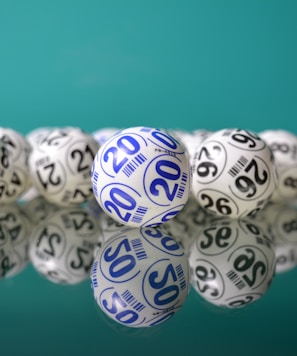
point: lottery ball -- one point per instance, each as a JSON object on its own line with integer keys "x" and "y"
{"x": 141, "y": 176}
{"x": 140, "y": 277}
{"x": 284, "y": 147}
{"x": 61, "y": 246}
{"x": 60, "y": 166}
{"x": 232, "y": 263}
{"x": 14, "y": 169}
{"x": 234, "y": 173}
{"x": 102, "y": 135}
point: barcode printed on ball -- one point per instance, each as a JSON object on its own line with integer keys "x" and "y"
{"x": 183, "y": 184}
{"x": 133, "y": 164}
{"x": 138, "y": 249}
{"x": 131, "y": 300}
{"x": 237, "y": 281}
{"x": 139, "y": 214}
{"x": 181, "y": 276}
{"x": 234, "y": 170}
{"x": 95, "y": 176}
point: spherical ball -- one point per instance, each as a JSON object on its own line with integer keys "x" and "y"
{"x": 232, "y": 263}
{"x": 103, "y": 134}
{"x": 141, "y": 176}
{"x": 61, "y": 246}
{"x": 14, "y": 172}
{"x": 284, "y": 147}
{"x": 233, "y": 173}
{"x": 60, "y": 166}
{"x": 140, "y": 277}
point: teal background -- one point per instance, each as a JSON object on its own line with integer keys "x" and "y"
{"x": 171, "y": 64}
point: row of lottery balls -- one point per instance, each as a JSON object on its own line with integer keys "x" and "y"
{"x": 142, "y": 176}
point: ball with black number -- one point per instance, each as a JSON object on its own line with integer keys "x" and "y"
{"x": 141, "y": 176}
{"x": 284, "y": 147}
{"x": 61, "y": 246}
{"x": 14, "y": 169}
{"x": 60, "y": 166}
{"x": 234, "y": 173}
{"x": 232, "y": 263}
{"x": 281, "y": 221}
{"x": 140, "y": 277}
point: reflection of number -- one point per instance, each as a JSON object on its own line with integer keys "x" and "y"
{"x": 222, "y": 234}
{"x": 282, "y": 147}
{"x": 219, "y": 204}
{"x": 78, "y": 225}
{"x": 81, "y": 155}
{"x": 290, "y": 182}
{"x": 80, "y": 252}
{"x": 205, "y": 276}
{"x": 128, "y": 145}
{"x": 120, "y": 199}
{"x": 290, "y": 226}
{"x": 124, "y": 316}
{"x": 51, "y": 167}
{"x": 171, "y": 173}
{"x": 120, "y": 265}
{"x": 51, "y": 239}
{"x": 167, "y": 241}
{"x": 244, "y": 262}
{"x": 166, "y": 294}
{"x": 208, "y": 155}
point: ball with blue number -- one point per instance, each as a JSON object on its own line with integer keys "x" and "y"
{"x": 141, "y": 176}
{"x": 140, "y": 277}
{"x": 234, "y": 173}
{"x": 232, "y": 262}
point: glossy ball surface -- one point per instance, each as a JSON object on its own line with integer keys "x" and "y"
{"x": 284, "y": 147}
{"x": 61, "y": 246}
{"x": 232, "y": 263}
{"x": 60, "y": 166}
{"x": 140, "y": 277}
{"x": 141, "y": 176}
{"x": 234, "y": 173}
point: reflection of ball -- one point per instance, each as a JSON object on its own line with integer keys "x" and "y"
{"x": 281, "y": 221}
{"x": 18, "y": 228}
{"x": 18, "y": 150}
{"x": 284, "y": 147}
{"x": 140, "y": 277}
{"x": 232, "y": 263}
{"x": 60, "y": 166}
{"x": 233, "y": 173}
{"x": 141, "y": 176}
{"x": 61, "y": 246}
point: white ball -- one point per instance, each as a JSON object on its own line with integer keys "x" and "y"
{"x": 284, "y": 147}
{"x": 102, "y": 135}
{"x": 233, "y": 173}
{"x": 232, "y": 262}
{"x": 60, "y": 166}
{"x": 140, "y": 277}
{"x": 61, "y": 246}
{"x": 141, "y": 176}
{"x": 15, "y": 177}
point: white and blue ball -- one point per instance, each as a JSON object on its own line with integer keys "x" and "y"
{"x": 141, "y": 176}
